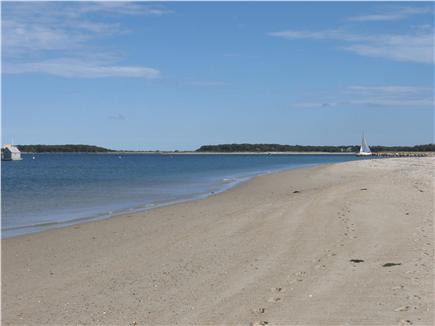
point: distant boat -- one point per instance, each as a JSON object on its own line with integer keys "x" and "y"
{"x": 364, "y": 150}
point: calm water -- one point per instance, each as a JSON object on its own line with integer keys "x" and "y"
{"x": 55, "y": 190}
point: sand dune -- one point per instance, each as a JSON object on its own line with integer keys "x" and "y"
{"x": 350, "y": 243}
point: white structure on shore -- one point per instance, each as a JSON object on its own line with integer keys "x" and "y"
{"x": 11, "y": 153}
{"x": 364, "y": 150}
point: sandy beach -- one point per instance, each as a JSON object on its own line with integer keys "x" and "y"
{"x": 349, "y": 243}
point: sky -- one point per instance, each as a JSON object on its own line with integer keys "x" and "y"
{"x": 166, "y": 75}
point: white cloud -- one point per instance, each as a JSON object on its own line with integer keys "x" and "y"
{"x": 319, "y": 35}
{"x": 395, "y": 14}
{"x": 45, "y": 26}
{"x": 123, "y": 8}
{"x": 57, "y": 38}
{"x": 392, "y": 89}
{"x": 390, "y": 96}
{"x": 20, "y": 38}
{"x": 75, "y": 68}
{"x": 415, "y": 47}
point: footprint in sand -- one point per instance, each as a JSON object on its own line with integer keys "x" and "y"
{"x": 403, "y": 308}
{"x": 274, "y": 299}
{"x": 259, "y": 310}
{"x": 259, "y": 323}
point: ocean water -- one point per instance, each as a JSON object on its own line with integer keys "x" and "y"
{"x": 55, "y": 190}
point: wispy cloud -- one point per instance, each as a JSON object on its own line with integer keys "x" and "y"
{"x": 391, "y": 90}
{"x": 75, "y": 68}
{"x": 57, "y": 38}
{"x": 319, "y": 35}
{"x": 123, "y": 8}
{"x": 413, "y": 47}
{"x": 392, "y": 96}
{"x": 392, "y": 14}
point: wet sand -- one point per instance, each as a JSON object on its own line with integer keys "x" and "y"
{"x": 349, "y": 243}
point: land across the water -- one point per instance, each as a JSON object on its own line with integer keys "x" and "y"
{"x": 349, "y": 243}
{"x": 229, "y": 148}
{"x": 376, "y": 154}
{"x": 239, "y": 153}
{"x": 198, "y": 153}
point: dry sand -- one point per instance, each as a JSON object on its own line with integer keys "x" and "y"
{"x": 275, "y": 250}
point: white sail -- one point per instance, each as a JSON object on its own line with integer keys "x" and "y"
{"x": 364, "y": 149}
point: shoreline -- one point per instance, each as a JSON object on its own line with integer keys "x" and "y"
{"x": 277, "y": 248}
{"x": 131, "y": 211}
{"x": 235, "y": 182}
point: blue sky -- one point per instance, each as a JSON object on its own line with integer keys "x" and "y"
{"x": 178, "y": 75}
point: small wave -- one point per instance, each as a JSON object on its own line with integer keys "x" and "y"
{"x": 17, "y": 227}
{"x": 54, "y": 223}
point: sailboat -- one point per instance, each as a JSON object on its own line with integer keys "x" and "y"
{"x": 364, "y": 150}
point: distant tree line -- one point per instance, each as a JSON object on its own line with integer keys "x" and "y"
{"x": 229, "y": 148}
{"x": 416, "y": 148}
{"x": 62, "y": 149}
